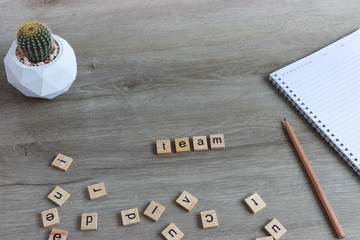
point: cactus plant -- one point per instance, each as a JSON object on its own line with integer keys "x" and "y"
{"x": 34, "y": 41}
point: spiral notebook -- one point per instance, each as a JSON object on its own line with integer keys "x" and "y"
{"x": 325, "y": 88}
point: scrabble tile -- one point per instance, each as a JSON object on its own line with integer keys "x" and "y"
{"x": 200, "y": 143}
{"x": 58, "y": 234}
{"x": 182, "y": 145}
{"x": 255, "y": 203}
{"x": 50, "y": 217}
{"x": 130, "y": 216}
{"x": 89, "y": 221}
{"x": 217, "y": 141}
{"x": 265, "y": 238}
{"x": 186, "y": 201}
{"x": 209, "y": 219}
{"x": 62, "y": 162}
{"x": 172, "y": 232}
{"x": 59, "y": 196}
{"x": 275, "y": 229}
{"x": 163, "y": 147}
{"x": 97, "y": 190}
{"x": 154, "y": 211}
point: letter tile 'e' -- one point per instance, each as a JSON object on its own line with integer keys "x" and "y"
{"x": 200, "y": 143}
{"x": 58, "y": 234}
{"x": 172, "y": 232}
{"x": 163, "y": 147}
{"x": 186, "y": 201}
{"x": 62, "y": 162}
{"x": 154, "y": 211}
{"x": 59, "y": 196}
{"x": 255, "y": 203}
{"x": 130, "y": 216}
{"x": 209, "y": 219}
{"x": 182, "y": 145}
{"x": 217, "y": 141}
{"x": 275, "y": 229}
{"x": 89, "y": 221}
{"x": 97, "y": 190}
{"x": 50, "y": 217}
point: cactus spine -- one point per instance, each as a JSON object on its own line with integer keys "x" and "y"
{"x": 34, "y": 41}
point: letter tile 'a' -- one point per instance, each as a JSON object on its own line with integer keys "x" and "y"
{"x": 172, "y": 232}
{"x": 186, "y": 201}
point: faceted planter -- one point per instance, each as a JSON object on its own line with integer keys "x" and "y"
{"x": 47, "y": 81}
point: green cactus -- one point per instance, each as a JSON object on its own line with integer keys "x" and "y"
{"x": 34, "y": 41}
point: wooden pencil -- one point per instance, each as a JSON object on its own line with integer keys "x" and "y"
{"x": 340, "y": 233}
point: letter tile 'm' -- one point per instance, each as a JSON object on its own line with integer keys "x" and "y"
{"x": 209, "y": 219}
{"x": 50, "y": 217}
{"x": 265, "y": 238}
{"x": 154, "y": 211}
{"x": 182, "y": 145}
{"x": 217, "y": 141}
{"x": 275, "y": 229}
{"x": 163, "y": 147}
{"x": 59, "y": 196}
{"x": 186, "y": 201}
{"x": 255, "y": 203}
{"x": 62, "y": 162}
{"x": 200, "y": 143}
{"x": 130, "y": 216}
{"x": 89, "y": 221}
{"x": 58, "y": 234}
{"x": 97, "y": 190}
{"x": 172, "y": 232}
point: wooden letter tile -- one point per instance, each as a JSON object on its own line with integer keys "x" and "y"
{"x": 209, "y": 219}
{"x": 62, "y": 162}
{"x": 163, "y": 147}
{"x": 182, "y": 145}
{"x": 89, "y": 221}
{"x": 172, "y": 232}
{"x": 130, "y": 216}
{"x": 58, "y": 234}
{"x": 275, "y": 229}
{"x": 59, "y": 196}
{"x": 265, "y": 238}
{"x": 50, "y": 217}
{"x": 255, "y": 203}
{"x": 97, "y": 190}
{"x": 217, "y": 141}
{"x": 186, "y": 201}
{"x": 200, "y": 143}
{"x": 154, "y": 211}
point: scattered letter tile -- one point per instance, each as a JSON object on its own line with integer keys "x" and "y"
{"x": 97, "y": 190}
{"x": 186, "y": 200}
{"x": 130, "y": 216}
{"x": 89, "y": 221}
{"x": 163, "y": 147}
{"x": 172, "y": 232}
{"x": 154, "y": 211}
{"x": 58, "y": 234}
{"x": 255, "y": 203}
{"x": 59, "y": 196}
{"x": 209, "y": 219}
{"x": 50, "y": 217}
{"x": 182, "y": 145}
{"x": 62, "y": 162}
{"x": 265, "y": 238}
{"x": 275, "y": 229}
{"x": 217, "y": 141}
{"x": 200, "y": 143}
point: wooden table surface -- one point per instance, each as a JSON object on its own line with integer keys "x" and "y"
{"x": 151, "y": 70}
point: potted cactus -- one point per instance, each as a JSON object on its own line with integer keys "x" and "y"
{"x": 39, "y": 63}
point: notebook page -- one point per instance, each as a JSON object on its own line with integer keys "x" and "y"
{"x": 325, "y": 86}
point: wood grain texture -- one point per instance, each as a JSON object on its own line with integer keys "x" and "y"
{"x": 151, "y": 70}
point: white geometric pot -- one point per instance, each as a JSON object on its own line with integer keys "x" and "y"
{"x": 47, "y": 81}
